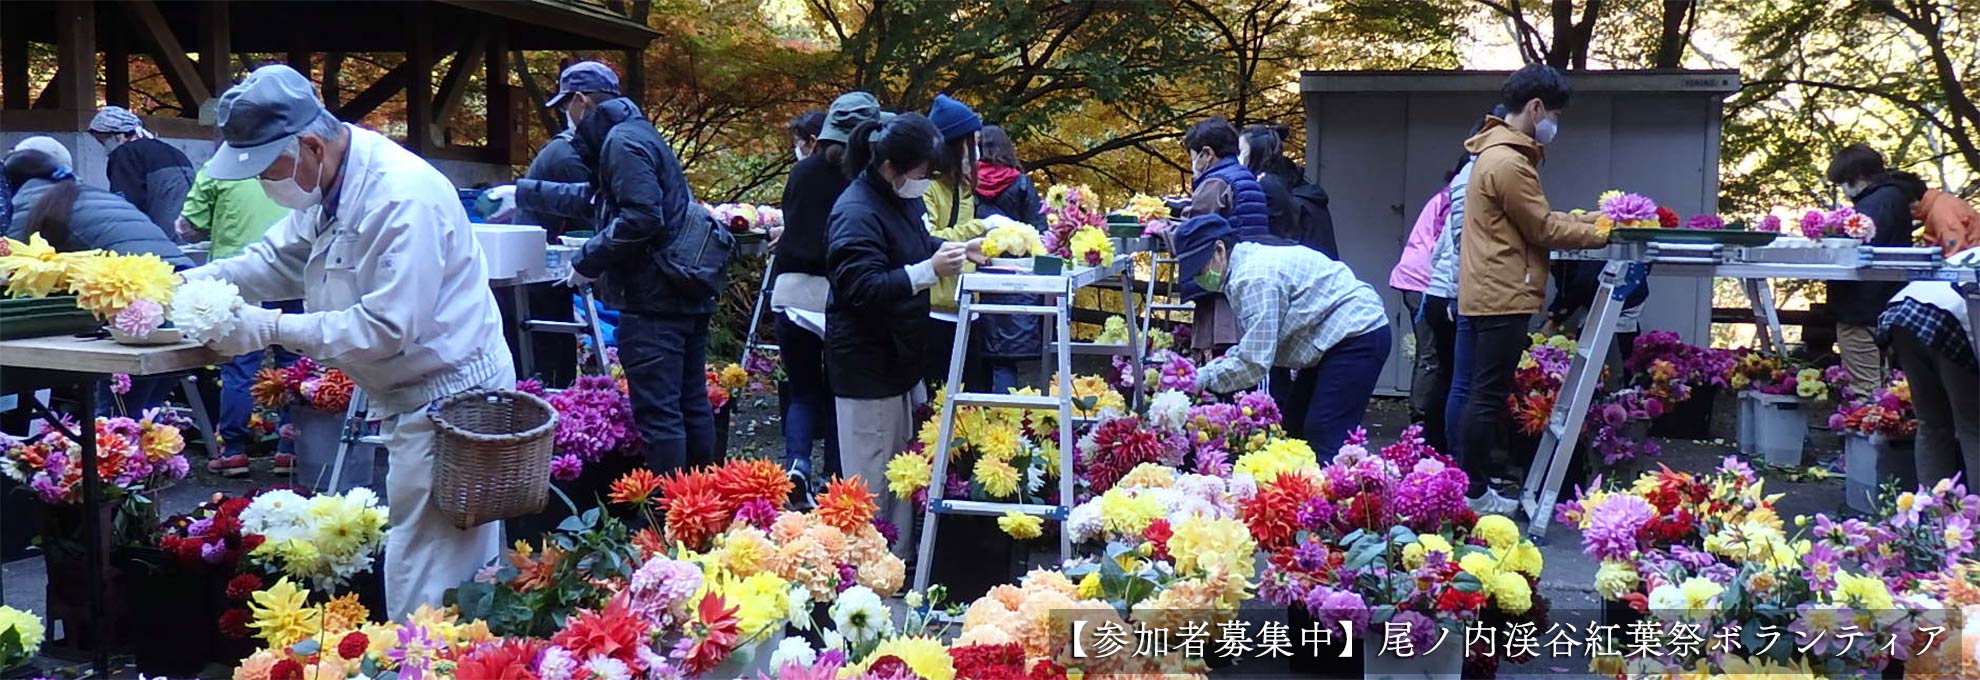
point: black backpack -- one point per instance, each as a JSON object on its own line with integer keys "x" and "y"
{"x": 697, "y": 260}
{"x": 1316, "y": 224}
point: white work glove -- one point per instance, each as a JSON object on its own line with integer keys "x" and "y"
{"x": 575, "y": 279}
{"x": 504, "y": 198}
{"x": 254, "y": 330}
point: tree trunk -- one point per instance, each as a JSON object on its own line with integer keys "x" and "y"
{"x": 1676, "y": 32}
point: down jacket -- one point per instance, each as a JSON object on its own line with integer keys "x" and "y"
{"x": 155, "y": 177}
{"x": 640, "y": 201}
{"x": 99, "y": 220}
{"x": 1250, "y": 212}
{"x": 876, "y": 329}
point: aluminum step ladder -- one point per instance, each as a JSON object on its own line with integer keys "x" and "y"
{"x": 1548, "y": 472}
{"x": 763, "y": 293}
{"x": 357, "y": 434}
{"x": 1059, "y": 352}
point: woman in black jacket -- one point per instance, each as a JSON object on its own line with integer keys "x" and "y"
{"x": 883, "y": 261}
{"x": 1861, "y": 173}
{"x": 801, "y": 288}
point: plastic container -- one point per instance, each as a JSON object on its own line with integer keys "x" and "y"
{"x": 1871, "y": 462}
{"x": 1779, "y": 428}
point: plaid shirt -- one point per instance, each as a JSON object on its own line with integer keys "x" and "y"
{"x": 1935, "y": 328}
{"x": 1293, "y": 304}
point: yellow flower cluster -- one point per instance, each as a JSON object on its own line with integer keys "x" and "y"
{"x": 761, "y": 600}
{"x": 1205, "y": 545}
{"x": 1021, "y": 526}
{"x": 28, "y": 632}
{"x": 1507, "y": 567}
{"x": 1104, "y": 398}
{"x": 1146, "y": 207}
{"x": 1127, "y": 512}
{"x": 34, "y": 269}
{"x": 908, "y": 472}
{"x": 106, "y": 284}
{"x": 1277, "y": 457}
{"x": 1808, "y": 384}
{"x": 1091, "y": 247}
{"x": 1013, "y": 240}
{"x": 732, "y": 377}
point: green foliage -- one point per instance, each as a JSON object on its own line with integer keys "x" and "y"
{"x": 589, "y": 548}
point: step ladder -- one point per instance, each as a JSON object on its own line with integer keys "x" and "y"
{"x": 587, "y": 327}
{"x": 1548, "y": 472}
{"x": 763, "y": 293}
{"x": 1059, "y": 352}
{"x": 358, "y": 433}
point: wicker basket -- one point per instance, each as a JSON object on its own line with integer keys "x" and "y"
{"x": 491, "y": 455}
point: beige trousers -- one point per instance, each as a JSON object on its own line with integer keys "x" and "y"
{"x": 871, "y": 431}
{"x": 1860, "y": 354}
{"x": 424, "y": 554}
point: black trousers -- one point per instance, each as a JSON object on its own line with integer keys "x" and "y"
{"x": 1430, "y": 387}
{"x": 1496, "y": 344}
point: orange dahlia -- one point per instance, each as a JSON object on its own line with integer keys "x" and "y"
{"x": 742, "y": 481}
{"x": 694, "y": 518}
{"x": 635, "y": 488}
{"x": 1273, "y": 514}
{"x": 269, "y": 390}
{"x": 846, "y": 504}
{"x": 685, "y": 483}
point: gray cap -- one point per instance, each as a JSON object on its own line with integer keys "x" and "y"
{"x": 115, "y": 119}
{"x": 584, "y": 76}
{"x": 257, "y": 119}
{"x": 848, "y": 112}
{"x": 47, "y": 145}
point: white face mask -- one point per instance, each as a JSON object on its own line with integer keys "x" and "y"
{"x": 568, "y": 123}
{"x": 288, "y": 194}
{"x": 798, "y": 148}
{"x": 1545, "y": 130}
{"x": 913, "y": 188}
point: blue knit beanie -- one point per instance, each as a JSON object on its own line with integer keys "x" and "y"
{"x": 953, "y": 118}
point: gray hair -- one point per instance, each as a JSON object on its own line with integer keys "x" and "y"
{"x": 326, "y": 127}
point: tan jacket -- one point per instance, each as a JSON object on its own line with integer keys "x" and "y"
{"x": 1950, "y": 222}
{"x": 1508, "y": 228}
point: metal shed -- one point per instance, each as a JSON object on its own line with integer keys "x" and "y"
{"x": 1380, "y": 143}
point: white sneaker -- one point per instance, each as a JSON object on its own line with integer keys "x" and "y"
{"x": 1501, "y": 505}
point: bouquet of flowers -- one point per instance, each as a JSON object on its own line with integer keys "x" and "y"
{"x": 210, "y": 535}
{"x": 1386, "y": 539}
{"x": 325, "y": 539}
{"x": 108, "y": 283}
{"x": 738, "y": 217}
{"x": 1671, "y": 369}
{"x": 1627, "y": 211}
{"x": 1537, "y": 382}
{"x": 132, "y": 456}
{"x": 764, "y": 371}
{"x": 1885, "y": 412}
{"x": 1090, "y": 246}
{"x": 1148, "y": 502}
{"x": 995, "y": 454}
{"x": 723, "y": 382}
{"x": 1707, "y": 556}
{"x": 1225, "y": 434}
{"x": 1010, "y": 238}
{"x": 303, "y": 382}
{"x": 1612, "y": 414}
{"x": 696, "y": 505}
{"x": 1845, "y": 222}
{"x": 594, "y": 420}
{"x": 1069, "y": 210}
{"x": 1153, "y": 213}
{"x": 1776, "y": 375}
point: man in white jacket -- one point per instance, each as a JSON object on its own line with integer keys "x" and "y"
{"x": 396, "y": 295}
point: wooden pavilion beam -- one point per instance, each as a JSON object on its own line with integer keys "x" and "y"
{"x": 501, "y": 127}
{"x": 116, "y": 64}
{"x": 453, "y": 86}
{"x": 177, "y": 67}
{"x": 75, "y": 52}
{"x": 419, "y": 83}
{"x": 216, "y": 47}
{"x": 363, "y": 103}
{"x": 13, "y": 60}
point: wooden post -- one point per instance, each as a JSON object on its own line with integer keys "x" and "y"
{"x": 13, "y": 60}
{"x": 116, "y": 64}
{"x": 419, "y": 84}
{"x": 75, "y": 52}
{"x": 299, "y": 53}
{"x": 216, "y": 48}
{"x": 496, "y": 79}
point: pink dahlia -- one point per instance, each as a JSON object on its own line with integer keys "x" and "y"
{"x": 1709, "y": 222}
{"x": 139, "y": 318}
{"x": 1629, "y": 208}
{"x": 1613, "y": 526}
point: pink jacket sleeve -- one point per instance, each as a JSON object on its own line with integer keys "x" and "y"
{"x": 1413, "y": 271}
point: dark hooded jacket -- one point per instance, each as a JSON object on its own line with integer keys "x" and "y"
{"x": 98, "y": 220}
{"x": 1860, "y": 302}
{"x": 876, "y": 342}
{"x": 640, "y": 200}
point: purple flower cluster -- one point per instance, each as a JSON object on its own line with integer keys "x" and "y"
{"x": 1179, "y": 374}
{"x": 1770, "y": 223}
{"x": 1613, "y": 526}
{"x": 1817, "y": 224}
{"x": 1695, "y": 365}
{"x": 1708, "y": 222}
{"x": 1431, "y": 495}
{"x": 593, "y": 419}
{"x": 1629, "y": 208}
